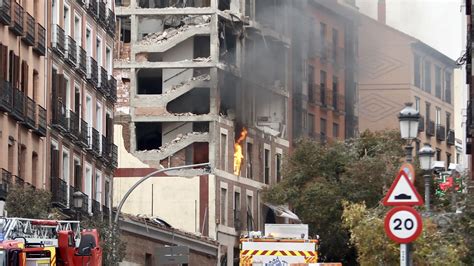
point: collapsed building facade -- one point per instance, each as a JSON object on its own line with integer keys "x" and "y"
{"x": 212, "y": 81}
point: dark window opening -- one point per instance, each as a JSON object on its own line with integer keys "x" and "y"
{"x": 200, "y": 152}
{"x": 196, "y": 101}
{"x": 124, "y": 26}
{"x": 228, "y": 44}
{"x": 201, "y": 127}
{"x": 310, "y": 83}
{"x": 447, "y": 93}
{"x": 228, "y": 94}
{"x": 202, "y": 46}
{"x": 148, "y": 135}
{"x": 267, "y": 166}
{"x": 417, "y": 74}
{"x": 248, "y": 158}
{"x": 148, "y": 260}
{"x": 278, "y": 167}
{"x": 438, "y": 82}
{"x": 427, "y": 83}
{"x": 150, "y": 81}
{"x": 224, "y": 5}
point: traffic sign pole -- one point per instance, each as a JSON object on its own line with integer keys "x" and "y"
{"x": 404, "y": 250}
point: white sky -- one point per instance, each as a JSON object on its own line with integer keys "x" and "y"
{"x": 439, "y": 23}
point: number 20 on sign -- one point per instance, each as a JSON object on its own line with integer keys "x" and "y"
{"x": 403, "y": 224}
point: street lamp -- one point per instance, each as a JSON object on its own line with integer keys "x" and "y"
{"x": 426, "y": 154}
{"x": 409, "y": 121}
{"x": 78, "y": 201}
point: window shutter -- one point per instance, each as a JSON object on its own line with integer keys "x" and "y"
{"x": 16, "y": 74}
{"x": 24, "y": 77}
{"x": 3, "y": 62}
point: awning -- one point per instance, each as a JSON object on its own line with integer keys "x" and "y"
{"x": 437, "y": 164}
{"x": 456, "y": 167}
{"x": 283, "y": 211}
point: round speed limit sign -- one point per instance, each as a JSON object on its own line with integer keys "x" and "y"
{"x": 403, "y": 224}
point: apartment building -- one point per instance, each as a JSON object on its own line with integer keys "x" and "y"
{"x": 23, "y": 95}
{"x": 470, "y": 93}
{"x": 57, "y": 98}
{"x": 203, "y": 81}
{"x": 81, "y": 103}
{"x": 396, "y": 68}
{"x": 324, "y": 62}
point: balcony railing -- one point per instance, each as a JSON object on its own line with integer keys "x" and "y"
{"x": 103, "y": 81}
{"x": 30, "y": 111}
{"x": 40, "y": 39}
{"x": 59, "y": 190}
{"x": 95, "y": 142}
{"x": 19, "y": 181}
{"x": 18, "y": 110}
{"x": 72, "y": 190}
{"x": 238, "y": 225}
{"x": 451, "y": 137}
{"x": 58, "y": 40}
{"x": 71, "y": 54}
{"x": 73, "y": 125}
{"x": 105, "y": 149}
{"x": 84, "y": 134}
{"x": 5, "y": 17}
{"x": 112, "y": 89}
{"x": 102, "y": 19}
{"x": 95, "y": 207}
{"x": 6, "y": 96}
{"x": 81, "y": 2}
{"x": 421, "y": 124}
{"x": 59, "y": 119}
{"x": 105, "y": 210}
{"x": 322, "y": 96}
{"x": 113, "y": 149}
{"x": 81, "y": 60}
{"x": 42, "y": 123}
{"x": 338, "y": 102}
{"x": 30, "y": 27}
{"x": 92, "y": 71}
{"x": 430, "y": 128}
{"x": 17, "y": 19}
{"x": 6, "y": 182}
{"x": 111, "y": 23}
{"x": 92, "y": 8}
{"x": 440, "y": 133}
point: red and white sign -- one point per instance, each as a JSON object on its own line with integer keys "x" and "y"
{"x": 402, "y": 192}
{"x": 403, "y": 224}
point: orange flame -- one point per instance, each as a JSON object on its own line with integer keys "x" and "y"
{"x": 238, "y": 155}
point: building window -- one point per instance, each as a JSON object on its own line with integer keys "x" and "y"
{"x": 67, "y": 20}
{"x": 447, "y": 93}
{"x": 249, "y": 156}
{"x": 34, "y": 168}
{"x": 417, "y": 74}
{"x": 108, "y": 60}
{"x": 438, "y": 82}
{"x": 323, "y": 30}
{"x": 223, "y": 152}
{"x": 310, "y": 83}
{"x": 54, "y": 12}
{"x": 66, "y": 166}
{"x": 458, "y": 158}
{"x": 266, "y": 173}
{"x": 448, "y": 159}
{"x": 438, "y": 117}
{"x": 448, "y": 121}
{"x": 335, "y": 92}
{"x": 323, "y": 125}
{"x": 427, "y": 80}
{"x": 417, "y": 104}
{"x": 148, "y": 259}
{"x": 88, "y": 185}
{"x": 89, "y": 41}
{"x": 67, "y": 101}
{"x": 278, "y": 167}
{"x": 77, "y": 174}
{"x": 98, "y": 187}
{"x": 223, "y": 206}
{"x": 427, "y": 112}
{"x": 323, "y": 87}
{"x": 335, "y": 43}
{"x": 98, "y": 47}
{"x": 78, "y": 29}
{"x": 249, "y": 213}
{"x": 438, "y": 154}
{"x": 311, "y": 124}
{"x": 335, "y": 130}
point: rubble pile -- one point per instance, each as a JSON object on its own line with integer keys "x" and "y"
{"x": 175, "y": 87}
{"x": 189, "y": 22}
{"x": 179, "y": 138}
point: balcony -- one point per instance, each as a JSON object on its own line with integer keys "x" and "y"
{"x": 102, "y": 19}
{"x": 58, "y": 40}
{"x": 105, "y": 210}
{"x": 103, "y": 85}
{"x": 6, "y": 182}
{"x": 40, "y": 40}
{"x": 318, "y": 137}
{"x": 16, "y": 24}
{"x": 59, "y": 119}
{"x": 19, "y": 181}
{"x": 430, "y": 128}
{"x": 81, "y": 66}
{"x": 71, "y": 53}
{"x": 6, "y": 96}
{"x": 30, "y": 28}
{"x": 113, "y": 150}
{"x": 81, "y": 2}
{"x": 95, "y": 141}
{"x": 112, "y": 89}
{"x": 450, "y": 140}
{"x": 95, "y": 207}
{"x": 322, "y": 96}
{"x": 338, "y": 102}
{"x": 440, "y": 133}
{"x": 92, "y": 8}
{"x": 30, "y": 113}
{"x": 238, "y": 225}
{"x": 111, "y": 23}
{"x": 72, "y": 190}
{"x": 92, "y": 71}
{"x": 73, "y": 122}
{"x": 421, "y": 124}
{"x": 5, "y": 17}
{"x": 105, "y": 149}
{"x": 42, "y": 124}
{"x": 59, "y": 191}
{"x": 18, "y": 110}
{"x": 84, "y": 134}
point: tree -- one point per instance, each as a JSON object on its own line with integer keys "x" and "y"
{"x": 317, "y": 178}
{"x": 27, "y": 202}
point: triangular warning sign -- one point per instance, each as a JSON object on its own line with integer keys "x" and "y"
{"x": 402, "y": 192}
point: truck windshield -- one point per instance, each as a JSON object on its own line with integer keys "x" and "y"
{"x": 3, "y": 258}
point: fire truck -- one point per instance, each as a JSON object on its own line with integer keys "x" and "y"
{"x": 33, "y": 242}
{"x": 282, "y": 244}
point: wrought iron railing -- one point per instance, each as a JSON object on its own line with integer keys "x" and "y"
{"x": 95, "y": 207}
{"x": 17, "y": 18}
{"x": 111, "y": 23}
{"x": 92, "y": 71}
{"x": 430, "y": 128}
{"x": 92, "y": 8}
{"x": 102, "y": 19}
{"x": 103, "y": 81}
{"x": 81, "y": 60}
{"x": 73, "y": 125}
{"x": 95, "y": 141}
{"x": 71, "y": 55}
{"x": 6, "y": 96}
{"x": 113, "y": 149}
{"x": 450, "y": 140}
{"x": 84, "y": 133}
{"x": 6, "y": 180}
{"x": 40, "y": 39}
{"x": 42, "y": 123}
{"x": 112, "y": 89}
{"x": 18, "y": 110}
{"x": 5, "y": 12}
{"x": 30, "y": 27}
{"x": 30, "y": 113}
{"x": 440, "y": 133}
{"x": 59, "y": 190}
{"x": 19, "y": 181}
{"x": 59, "y": 119}
{"x": 58, "y": 40}
{"x": 421, "y": 124}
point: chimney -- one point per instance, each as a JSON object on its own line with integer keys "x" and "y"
{"x": 381, "y": 14}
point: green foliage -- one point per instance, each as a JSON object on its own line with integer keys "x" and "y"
{"x": 366, "y": 226}
{"x": 319, "y": 177}
{"x": 109, "y": 237}
{"x": 27, "y": 202}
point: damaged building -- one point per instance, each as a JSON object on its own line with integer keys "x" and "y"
{"x": 213, "y": 81}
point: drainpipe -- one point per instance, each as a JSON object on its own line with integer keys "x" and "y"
{"x": 45, "y": 93}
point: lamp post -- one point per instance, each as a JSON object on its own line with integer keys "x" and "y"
{"x": 426, "y": 154}
{"x": 78, "y": 201}
{"x": 409, "y": 120}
